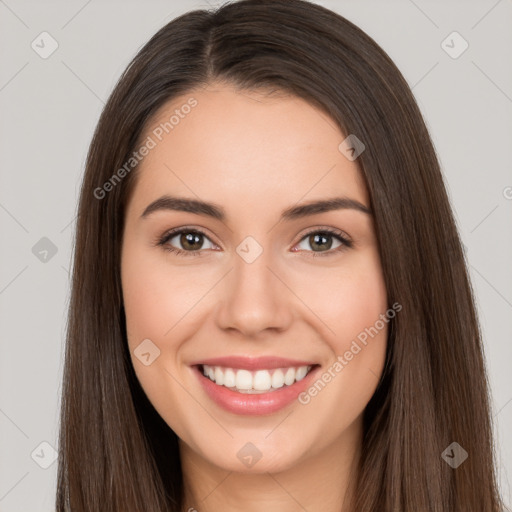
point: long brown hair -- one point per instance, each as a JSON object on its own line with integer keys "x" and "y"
{"x": 116, "y": 452}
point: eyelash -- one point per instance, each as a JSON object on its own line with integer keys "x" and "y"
{"x": 162, "y": 241}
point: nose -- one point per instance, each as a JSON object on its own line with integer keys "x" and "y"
{"x": 254, "y": 299}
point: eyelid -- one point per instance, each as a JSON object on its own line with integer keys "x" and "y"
{"x": 342, "y": 237}
{"x": 323, "y": 229}
{"x": 171, "y": 233}
{"x": 345, "y": 241}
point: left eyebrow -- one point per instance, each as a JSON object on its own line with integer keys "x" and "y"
{"x": 326, "y": 205}
{"x": 217, "y": 212}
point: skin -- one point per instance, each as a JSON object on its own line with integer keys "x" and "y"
{"x": 255, "y": 156}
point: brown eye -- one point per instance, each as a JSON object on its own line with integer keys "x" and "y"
{"x": 191, "y": 241}
{"x": 188, "y": 242}
{"x": 321, "y": 241}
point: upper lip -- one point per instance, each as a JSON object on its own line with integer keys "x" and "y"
{"x": 253, "y": 363}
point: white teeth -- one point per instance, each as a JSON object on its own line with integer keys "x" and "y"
{"x": 229, "y": 378}
{"x": 219, "y": 376}
{"x": 243, "y": 379}
{"x": 289, "y": 377}
{"x": 257, "y": 381}
{"x": 278, "y": 379}
{"x": 262, "y": 380}
{"x": 301, "y": 373}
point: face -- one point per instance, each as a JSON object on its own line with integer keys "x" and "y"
{"x": 246, "y": 290}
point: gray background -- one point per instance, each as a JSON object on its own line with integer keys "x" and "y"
{"x": 49, "y": 108}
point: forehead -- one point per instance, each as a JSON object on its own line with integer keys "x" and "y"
{"x": 241, "y": 148}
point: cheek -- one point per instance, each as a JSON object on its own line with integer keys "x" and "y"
{"x": 144, "y": 301}
{"x": 349, "y": 299}
{"x": 354, "y": 309}
{"x": 156, "y": 295}
{"x": 159, "y": 301}
{"x": 152, "y": 308}
{"x": 363, "y": 329}
{"x": 362, "y": 300}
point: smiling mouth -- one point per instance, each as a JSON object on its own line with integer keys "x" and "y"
{"x": 255, "y": 382}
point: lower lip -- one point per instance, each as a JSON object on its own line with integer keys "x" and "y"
{"x": 254, "y": 404}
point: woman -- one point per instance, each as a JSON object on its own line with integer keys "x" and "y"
{"x": 270, "y": 306}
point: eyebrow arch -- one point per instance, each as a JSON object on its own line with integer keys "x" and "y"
{"x": 167, "y": 202}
